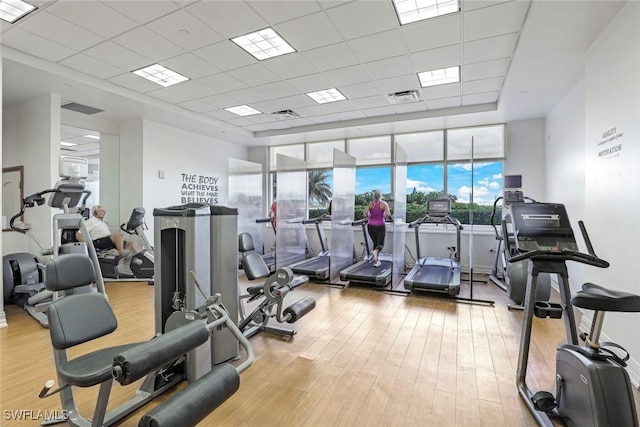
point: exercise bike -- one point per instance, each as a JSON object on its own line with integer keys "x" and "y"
{"x": 138, "y": 266}
{"x": 592, "y": 386}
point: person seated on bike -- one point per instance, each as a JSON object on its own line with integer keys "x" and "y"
{"x": 103, "y": 236}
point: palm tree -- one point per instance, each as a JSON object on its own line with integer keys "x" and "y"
{"x": 319, "y": 190}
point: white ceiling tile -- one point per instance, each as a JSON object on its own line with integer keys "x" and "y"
{"x": 311, "y": 83}
{"x": 184, "y": 30}
{"x": 277, "y": 90}
{"x": 326, "y": 118}
{"x": 142, "y": 11}
{"x": 371, "y": 102}
{"x": 342, "y": 106}
{"x": 379, "y": 46}
{"x": 254, "y": 75}
{"x": 314, "y": 110}
{"x": 277, "y": 11}
{"x": 52, "y": 28}
{"x": 220, "y": 101}
{"x": 35, "y": 45}
{"x": 221, "y": 114}
{"x": 181, "y": 92}
{"x": 222, "y": 82}
{"x": 228, "y": 18}
{"x": 468, "y": 5}
{"x": 391, "y": 67}
{"x": 309, "y": 32}
{"x": 437, "y": 104}
{"x": 93, "y": 16}
{"x": 410, "y": 107}
{"x": 225, "y": 55}
{"x": 247, "y": 95}
{"x": 277, "y": 125}
{"x": 436, "y": 59}
{"x": 197, "y": 106}
{"x": 296, "y": 101}
{"x": 118, "y": 56}
{"x": 92, "y": 66}
{"x": 348, "y": 75}
{"x": 480, "y": 98}
{"x": 190, "y": 65}
{"x": 240, "y": 121}
{"x": 399, "y": 84}
{"x": 432, "y": 33}
{"x": 360, "y": 90}
{"x": 441, "y": 91}
{"x": 379, "y": 111}
{"x": 485, "y": 69}
{"x": 302, "y": 121}
{"x": 505, "y": 18}
{"x": 290, "y": 65}
{"x": 491, "y": 48}
{"x": 267, "y": 117}
{"x": 134, "y": 82}
{"x": 148, "y": 44}
{"x": 350, "y": 115}
{"x": 256, "y": 128}
{"x": 482, "y": 85}
{"x": 348, "y": 18}
{"x": 331, "y": 57}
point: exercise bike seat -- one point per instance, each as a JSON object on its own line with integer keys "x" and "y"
{"x": 596, "y": 297}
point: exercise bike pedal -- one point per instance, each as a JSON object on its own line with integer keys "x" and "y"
{"x": 544, "y": 401}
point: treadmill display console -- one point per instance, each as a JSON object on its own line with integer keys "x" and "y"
{"x": 542, "y": 226}
{"x": 439, "y": 207}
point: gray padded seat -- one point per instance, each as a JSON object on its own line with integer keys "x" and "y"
{"x": 76, "y": 319}
{"x": 252, "y": 263}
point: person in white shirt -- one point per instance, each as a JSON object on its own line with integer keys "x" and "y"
{"x": 101, "y": 234}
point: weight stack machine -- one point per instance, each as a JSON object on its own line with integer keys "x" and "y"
{"x": 196, "y": 237}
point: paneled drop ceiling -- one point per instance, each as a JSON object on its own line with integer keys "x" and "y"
{"x": 86, "y": 51}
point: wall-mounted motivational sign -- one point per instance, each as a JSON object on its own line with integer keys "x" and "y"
{"x": 199, "y": 189}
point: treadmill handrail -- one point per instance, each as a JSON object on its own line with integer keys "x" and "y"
{"x": 316, "y": 220}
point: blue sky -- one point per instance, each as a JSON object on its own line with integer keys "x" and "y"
{"x": 487, "y": 180}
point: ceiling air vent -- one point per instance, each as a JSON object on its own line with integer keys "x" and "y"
{"x": 404, "y": 97}
{"x": 84, "y": 109}
{"x": 286, "y": 114}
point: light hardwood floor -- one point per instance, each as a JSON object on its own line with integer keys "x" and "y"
{"x": 361, "y": 358}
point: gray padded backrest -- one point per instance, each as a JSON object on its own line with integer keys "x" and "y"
{"x": 245, "y": 242}
{"x": 254, "y": 266}
{"x": 69, "y": 271}
{"x": 75, "y": 319}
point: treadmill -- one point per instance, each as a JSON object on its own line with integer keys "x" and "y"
{"x": 363, "y": 272}
{"x": 268, "y": 258}
{"x": 435, "y": 273}
{"x": 316, "y": 267}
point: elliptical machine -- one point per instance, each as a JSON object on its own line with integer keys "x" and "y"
{"x": 24, "y": 275}
{"x": 512, "y": 277}
{"x": 592, "y": 386}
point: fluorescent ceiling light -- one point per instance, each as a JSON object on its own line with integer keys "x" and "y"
{"x": 91, "y": 136}
{"x": 263, "y": 44}
{"x": 12, "y": 10}
{"x": 161, "y": 75}
{"x": 67, "y": 144}
{"x": 439, "y": 77}
{"x": 327, "y": 95}
{"x": 243, "y": 110}
{"x": 416, "y": 10}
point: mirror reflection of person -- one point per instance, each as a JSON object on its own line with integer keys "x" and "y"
{"x": 102, "y": 235}
{"x": 377, "y": 211}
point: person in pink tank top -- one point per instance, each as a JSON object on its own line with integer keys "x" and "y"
{"x": 377, "y": 211}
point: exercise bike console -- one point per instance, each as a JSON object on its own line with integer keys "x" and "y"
{"x": 592, "y": 387}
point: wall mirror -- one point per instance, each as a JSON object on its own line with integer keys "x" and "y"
{"x": 12, "y": 194}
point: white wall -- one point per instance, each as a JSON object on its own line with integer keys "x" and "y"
{"x": 31, "y": 137}
{"x": 526, "y": 155}
{"x": 176, "y": 152}
{"x": 612, "y": 178}
{"x": 602, "y": 189}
